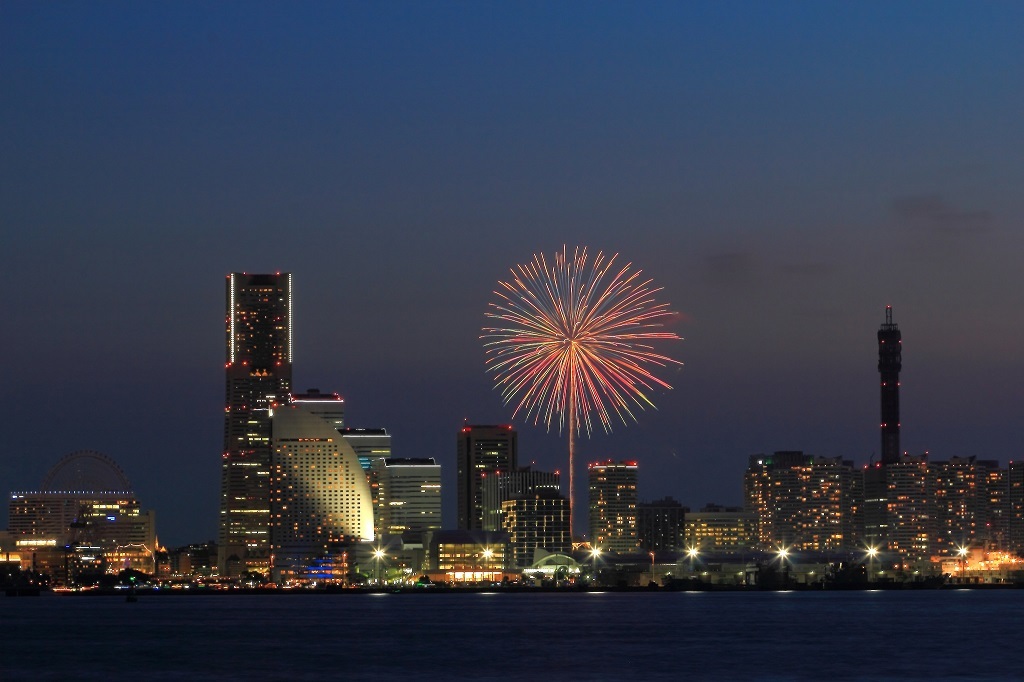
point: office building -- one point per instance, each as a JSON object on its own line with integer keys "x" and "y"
{"x": 329, "y": 406}
{"x": 612, "y": 487}
{"x": 482, "y": 451}
{"x": 501, "y": 486}
{"x": 660, "y": 525}
{"x": 408, "y": 498}
{"x": 258, "y": 372}
{"x": 536, "y": 521}
{"x": 320, "y": 499}
{"x": 369, "y": 444}
{"x": 717, "y": 529}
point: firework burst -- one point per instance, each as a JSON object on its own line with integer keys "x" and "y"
{"x": 572, "y": 342}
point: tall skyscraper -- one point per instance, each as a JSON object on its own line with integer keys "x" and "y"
{"x": 258, "y": 371}
{"x": 319, "y": 498}
{"x": 482, "y": 450}
{"x": 890, "y": 362}
{"x": 613, "y": 506}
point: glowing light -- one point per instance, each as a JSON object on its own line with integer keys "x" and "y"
{"x": 231, "y": 344}
{"x": 571, "y": 342}
{"x": 692, "y": 552}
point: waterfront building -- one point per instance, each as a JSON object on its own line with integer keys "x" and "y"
{"x": 467, "y": 556}
{"x": 660, "y": 525}
{"x": 498, "y": 487}
{"x": 961, "y": 503}
{"x": 1015, "y": 507}
{"x": 537, "y": 521}
{"x": 483, "y": 450}
{"x": 408, "y": 496}
{"x": 320, "y": 499}
{"x": 612, "y": 488}
{"x": 719, "y": 529}
{"x": 258, "y": 373}
{"x": 803, "y": 502}
{"x": 85, "y": 501}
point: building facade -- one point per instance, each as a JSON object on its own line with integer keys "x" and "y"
{"x": 612, "y": 488}
{"x": 408, "y": 496}
{"x": 804, "y": 502}
{"x": 320, "y": 500}
{"x": 717, "y": 529}
{"x": 481, "y": 451}
{"x": 258, "y": 373}
{"x": 501, "y": 486}
{"x": 536, "y": 522}
{"x": 661, "y": 525}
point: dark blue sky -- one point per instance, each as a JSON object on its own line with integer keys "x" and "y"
{"x": 783, "y": 170}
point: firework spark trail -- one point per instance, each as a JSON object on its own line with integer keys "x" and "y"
{"x": 573, "y": 345}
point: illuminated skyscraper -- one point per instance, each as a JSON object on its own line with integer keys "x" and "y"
{"x": 482, "y": 450}
{"x": 613, "y": 506}
{"x": 258, "y": 371}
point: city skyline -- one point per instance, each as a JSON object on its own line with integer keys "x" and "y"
{"x": 398, "y": 164}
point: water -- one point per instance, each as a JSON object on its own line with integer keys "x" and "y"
{"x": 886, "y": 635}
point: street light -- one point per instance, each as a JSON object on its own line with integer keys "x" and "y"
{"x": 378, "y": 555}
{"x": 783, "y": 554}
{"x": 962, "y": 552}
{"x": 594, "y": 553}
{"x": 872, "y": 553}
{"x": 692, "y": 553}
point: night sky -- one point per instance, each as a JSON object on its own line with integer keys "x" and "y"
{"x": 783, "y": 170}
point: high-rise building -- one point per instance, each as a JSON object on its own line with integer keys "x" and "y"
{"x": 612, "y": 487}
{"x": 890, "y": 362}
{"x": 320, "y": 499}
{"x": 482, "y": 451}
{"x": 660, "y": 525}
{"x": 536, "y": 521}
{"x": 329, "y": 406}
{"x": 1015, "y": 507}
{"x": 804, "y": 502}
{"x": 501, "y": 486}
{"x": 961, "y": 504}
{"x": 408, "y": 499}
{"x": 258, "y": 372}
{"x": 369, "y": 444}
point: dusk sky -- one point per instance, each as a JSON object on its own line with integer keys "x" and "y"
{"x": 782, "y": 169}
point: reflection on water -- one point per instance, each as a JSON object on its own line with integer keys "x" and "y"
{"x": 608, "y": 636}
